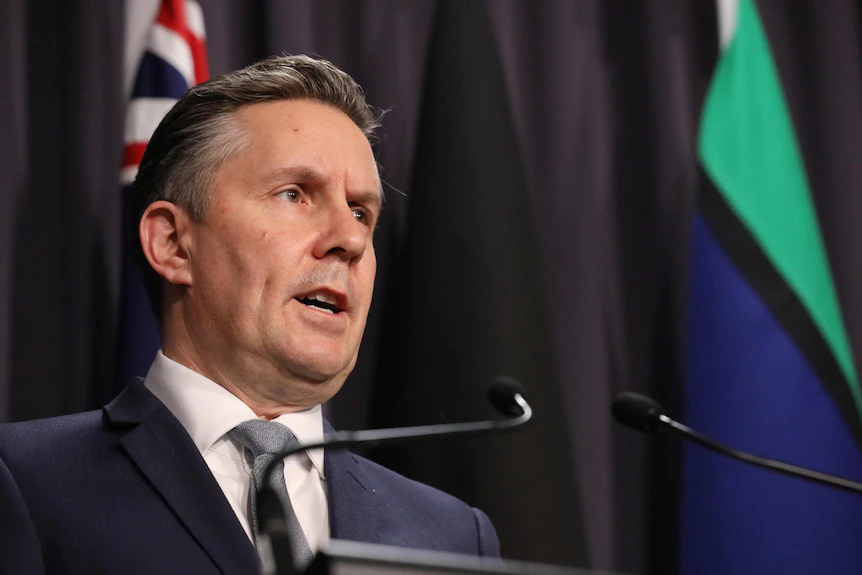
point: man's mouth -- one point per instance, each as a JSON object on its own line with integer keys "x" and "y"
{"x": 322, "y": 301}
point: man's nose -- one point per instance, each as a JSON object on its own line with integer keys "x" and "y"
{"x": 344, "y": 236}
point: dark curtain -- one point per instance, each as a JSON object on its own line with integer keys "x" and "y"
{"x": 62, "y": 131}
{"x": 605, "y": 95}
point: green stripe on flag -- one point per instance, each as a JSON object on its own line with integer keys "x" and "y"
{"x": 748, "y": 147}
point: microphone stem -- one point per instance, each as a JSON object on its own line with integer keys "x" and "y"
{"x": 686, "y": 432}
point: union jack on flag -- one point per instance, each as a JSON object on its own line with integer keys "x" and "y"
{"x": 174, "y": 59}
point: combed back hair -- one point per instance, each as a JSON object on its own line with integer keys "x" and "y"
{"x": 201, "y": 132}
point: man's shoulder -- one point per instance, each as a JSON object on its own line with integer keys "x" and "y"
{"x": 409, "y": 513}
{"x": 400, "y": 486}
{"x": 83, "y": 433}
{"x": 399, "y": 493}
{"x": 59, "y": 425}
{"x": 48, "y": 437}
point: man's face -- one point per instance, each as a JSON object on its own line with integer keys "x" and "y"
{"x": 283, "y": 263}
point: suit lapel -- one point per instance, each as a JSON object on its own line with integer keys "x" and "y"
{"x": 166, "y": 455}
{"x": 354, "y": 502}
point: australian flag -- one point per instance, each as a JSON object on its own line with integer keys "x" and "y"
{"x": 173, "y": 60}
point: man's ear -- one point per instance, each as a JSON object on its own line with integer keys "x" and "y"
{"x": 165, "y": 237}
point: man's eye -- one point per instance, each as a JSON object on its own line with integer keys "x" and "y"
{"x": 291, "y": 196}
{"x": 361, "y": 216}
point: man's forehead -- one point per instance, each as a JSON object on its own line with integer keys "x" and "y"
{"x": 295, "y": 112}
{"x": 308, "y": 122}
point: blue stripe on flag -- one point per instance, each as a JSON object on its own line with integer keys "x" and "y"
{"x": 158, "y": 79}
{"x": 749, "y": 386}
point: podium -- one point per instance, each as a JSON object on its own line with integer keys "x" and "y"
{"x": 353, "y": 558}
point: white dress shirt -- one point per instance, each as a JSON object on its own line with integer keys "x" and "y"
{"x": 208, "y": 411}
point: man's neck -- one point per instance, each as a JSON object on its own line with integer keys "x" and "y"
{"x": 188, "y": 356}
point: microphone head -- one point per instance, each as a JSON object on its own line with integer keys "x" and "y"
{"x": 502, "y": 393}
{"x": 637, "y": 411}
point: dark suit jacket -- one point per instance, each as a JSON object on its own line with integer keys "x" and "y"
{"x": 125, "y": 490}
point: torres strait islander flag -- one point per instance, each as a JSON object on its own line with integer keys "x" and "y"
{"x": 769, "y": 365}
{"x": 172, "y": 59}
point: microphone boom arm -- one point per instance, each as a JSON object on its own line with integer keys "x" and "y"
{"x": 375, "y": 437}
{"x": 274, "y": 537}
{"x": 686, "y": 432}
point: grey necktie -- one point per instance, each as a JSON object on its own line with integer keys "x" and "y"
{"x": 264, "y": 439}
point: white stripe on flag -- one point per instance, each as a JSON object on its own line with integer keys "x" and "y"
{"x": 139, "y": 17}
{"x": 173, "y": 49}
{"x": 195, "y": 19}
{"x": 728, "y": 11}
{"x": 143, "y": 116}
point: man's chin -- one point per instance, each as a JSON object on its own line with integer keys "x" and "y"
{"x": 307, "y": 393}
{"x": 318, "y": 370}
{"x": 313, "y": 380}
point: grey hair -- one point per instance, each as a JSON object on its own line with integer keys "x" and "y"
{"x": 201, "y": 132}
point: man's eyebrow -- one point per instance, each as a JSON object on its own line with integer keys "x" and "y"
{"x": 299, "y": 172}
{"x": 373, "y": 197}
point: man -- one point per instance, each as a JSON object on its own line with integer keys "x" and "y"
{"x": 256, "y": 203}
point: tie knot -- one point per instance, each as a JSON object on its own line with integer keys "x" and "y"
{"x": 263, "y": 437}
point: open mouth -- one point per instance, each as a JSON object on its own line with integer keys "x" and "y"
{"x": 321, "y": 301}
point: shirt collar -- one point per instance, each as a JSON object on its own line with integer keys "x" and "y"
{"x": 208, "y": 411}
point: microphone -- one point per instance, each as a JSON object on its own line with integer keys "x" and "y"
{"x": 645, "y": 414}
{"x": 505, "y": 394}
